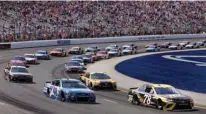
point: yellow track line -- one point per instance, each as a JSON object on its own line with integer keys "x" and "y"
{"x": 200, "y": 107}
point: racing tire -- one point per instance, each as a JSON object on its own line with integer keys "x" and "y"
{"x": 9, "y": 79}
{"x": 135, "y": 100}
{"x": 63, "y": 98}
{"x": 159, "y": 105}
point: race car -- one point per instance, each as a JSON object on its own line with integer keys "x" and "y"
{"x": 73, "y": 66}
{"x": 201, "y": 43}
{"x": 58, "y": 52}
{"x": 18, "y": 73}
{"x": 175, "y": 47}
{"x": 152, "y": 44}
{"x": 163, "y": 97}
{"x": 16, "y": 63}
{"x": 77, "y": 57}
{"x": 152, "y": 48}
{"x": 165, "y": 45}
{"x": 42, "y": 54}
{"x": 113, "y": 46}
{"x": 102, "y": 55}
{"x": 76, "y": 50}
{"x": 129, "y": 45}
{"x": 80, "y": 61}
{"x": 129, "y": 51}
{"x": 184, "y": 43}
{"x": 193, "y": 45}
{"x": 20, "y": 58}
{"x": 114, "y": 53}
{"x": 98, "y": 80}
{"x": 94, "y": 57}
{"x": 31, "y": 59}
{"x": 69, "y": 90}
{"x": 92, "y": 49}
{"x": 87, "y": 58}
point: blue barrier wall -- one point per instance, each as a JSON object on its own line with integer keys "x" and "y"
{"x": 156, "y": 69}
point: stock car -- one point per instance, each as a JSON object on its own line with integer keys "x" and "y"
{"x": 114, "y": 53}
{"x": 31, "y": 59}
{"x": 162, "y": 96}
{"x": 81, "y": 62}
{"x": 184, "y": 43}
{"x": 152, "y": 44}
{"x": 102, "y": 55}
{"x": 152, "y": 48}
{"x": 193, "y": 45}
{"x": 76, "y": 50}
{"x": 18, "y": 73}
{"x": 129, "y": 45}
{"x": 20, "y": 58}
{"x": 113, "y": 46}
{"x": 94, "y": 57}
{"x": 201, "y": 43}
{"x": 69, "y": 90}
{"x": 165, "y": 45}
{"x": 129, "y": 51}
{"x": 73, "y": 66}
{"x": 87, "y": 58}
{"x": 97, "y": 80}
{"x": 175, "y": 47}
{"x": 92, "y": 49}
{"x": 58, "y": 52}
{"x": 42, "y": 54}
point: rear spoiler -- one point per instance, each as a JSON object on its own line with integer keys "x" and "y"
{"x": 133, "y": 88}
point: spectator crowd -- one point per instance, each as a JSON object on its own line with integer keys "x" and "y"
{"x": 42, "y": 20}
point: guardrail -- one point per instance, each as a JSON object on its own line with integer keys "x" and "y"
{"x": 60, "y": 42}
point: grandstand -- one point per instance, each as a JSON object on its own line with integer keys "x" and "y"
{"x": 41, "y": 20}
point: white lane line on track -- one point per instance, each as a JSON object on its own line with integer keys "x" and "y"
{"x": 110, "y": 101}
{"x": 179, "y": 59}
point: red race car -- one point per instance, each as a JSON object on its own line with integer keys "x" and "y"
{"x": 102, "y": 55}
{"x": 58, "y": 52}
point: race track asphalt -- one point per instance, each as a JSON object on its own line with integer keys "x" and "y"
{"x": 30, "y": 97}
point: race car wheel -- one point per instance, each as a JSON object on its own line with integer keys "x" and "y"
{"x": 159, "y": 105}
{"x": 135, "y": 100}
{"x": 63, "y": 99}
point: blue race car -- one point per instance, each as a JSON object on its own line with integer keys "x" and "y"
{"x": 70, "y": 90}
{"x": 42, "y": 54}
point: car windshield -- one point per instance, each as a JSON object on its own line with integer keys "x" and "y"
{"x": 128, "y": 48}
{"x": 113, "y": 50}
{"x": 73, "y": 64}
{"x": 77, "y": 60}
{"x": 41, "y": 52}
{"x": 23, "y": 70}
{"x": 58, "y": 49}
{"x": 168, "y": 90}
{"x": 30, "y": 56}
{"x": 70, "y": 84}
{"x": 87, "y": 55}
{"x": 17, "y": 64}
{"x": 77, "y": 57}
{"x": 99, "y": 76}
{"x": 75, "y": 48}
{"x": 19, "y": 58}
{"x": 101, "y": 52}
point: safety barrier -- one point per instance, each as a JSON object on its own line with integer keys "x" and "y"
{"x": 60, "y": 42}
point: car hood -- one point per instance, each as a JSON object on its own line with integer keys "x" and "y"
{"x": 86, "y": 58}
{"x": 20, "y": 73}
{"x": 40, "y": 54}
{"x": 29, "y": 59}
{"x": 175, "y": 96}
{"x": 77, "y": 90}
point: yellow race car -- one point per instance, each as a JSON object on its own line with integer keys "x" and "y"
{"x": 162, "y": 96}
{"x": 96, "y": 80}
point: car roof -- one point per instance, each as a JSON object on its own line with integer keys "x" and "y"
{"x": 76, "y": 47}
{"x": 18, "y": 67}
{"x": 29, "y": 54}
{"x": 16, "y": 61}
{"x": 161, "y": 85}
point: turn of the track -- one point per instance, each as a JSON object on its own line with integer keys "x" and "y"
{"x": 30, "y": 96}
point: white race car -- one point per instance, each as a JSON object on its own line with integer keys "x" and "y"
{"x": 31, "y": 58}
{"x": 193, "y": 45}
{"x": 184, "y": 43}
{"x": 114, "y": 46}
{"x": 114, "y": 53}
{"x": 175, "y": 47}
